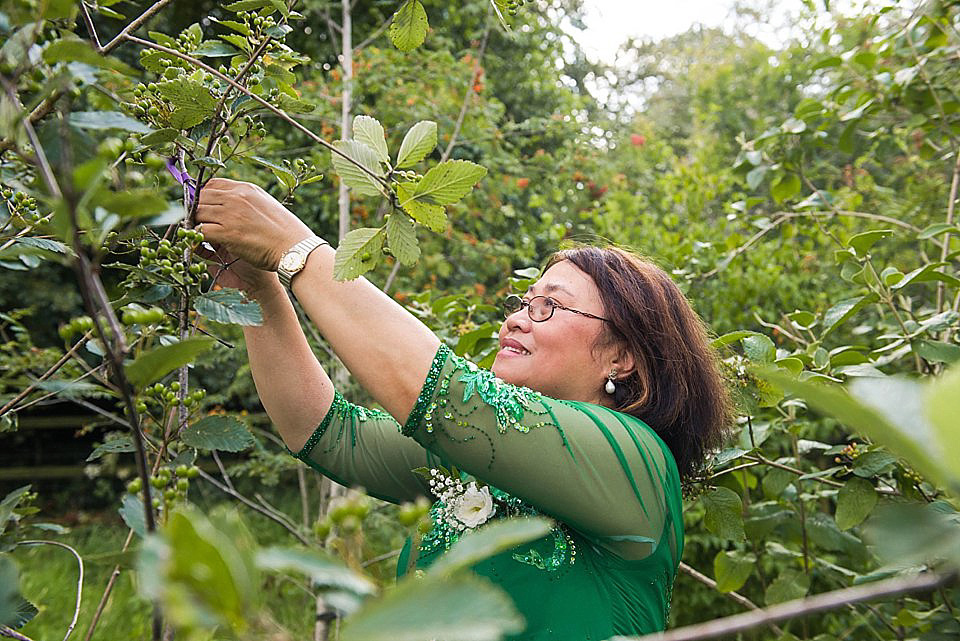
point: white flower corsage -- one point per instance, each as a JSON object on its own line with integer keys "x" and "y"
{"x": 461, "y": 505}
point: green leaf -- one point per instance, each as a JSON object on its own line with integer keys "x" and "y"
{"x": 76, "y": 50}
{"x": 448, "y": 182}
{"x": 870, "y": 464}
{"x": 419, "y": 141}
{"x": 229, "y": 306}
{"x": 286, "y": 177}
{"x": 855, "y": 501}
{"x": 937, "y": 351}
{"x": 409, "y": 27}
{"x": 755, "y": 176}
{"x": 192, "y": 102}
{"x": 247, "y": 5}
{"x": 759, "y": 348}
{"x": 122, "y": 444}
{"x": 370, "y": 132}
{"x": 23, "y": 614}
{"x": 489, "y": 540}
{"x": 861, "y": 243}
{"x": 732, "y": 569}
{"x": 785, "y": 186}
{"x": 843, "y": 310}
{"x": 160, "y": 137}
{"x": 131, "y": 511}
{"x": 464, "y": 607}
{"x": 215, "y": 49}
{"x": 942, "y": 399}
{"x": 355, "y": 177}
{"x": 889, "y": 410}
{"x": 936, "y": 229}
{"x": 724, "y": 513}
{"x": 215, "y": 432}
{"x": 9, "y": 504}
{"x": 358, "y": 252}
{"x": 402, "y": 238}
{"x": 726, "y": 339}
{"x": 10, "y": 599}
{"x": 323, "y": 571}
{"x": 433, "y": 217}
{"x": 107, "y": 120}
{"x": 788, "y": 586}
{"x": 157, "y": 363}
{"x": 133, "y": 203}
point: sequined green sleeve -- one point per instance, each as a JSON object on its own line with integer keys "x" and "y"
{"x": 357, "y": 446}
{"x": 602, "y": 472}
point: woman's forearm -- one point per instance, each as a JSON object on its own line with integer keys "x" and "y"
{"x": 387, "y": 349}
{"x": 294, "y": 389}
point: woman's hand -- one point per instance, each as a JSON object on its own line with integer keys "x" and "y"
{"x": 248, "y": 223}
{"x": 229, "y": 271}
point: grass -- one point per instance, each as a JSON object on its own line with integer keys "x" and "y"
{"x": 48, "y": 574}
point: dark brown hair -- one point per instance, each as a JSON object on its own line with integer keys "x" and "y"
{"x": 676, "y": 388}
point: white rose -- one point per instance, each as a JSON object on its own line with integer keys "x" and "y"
{"x": 474, "y": 506}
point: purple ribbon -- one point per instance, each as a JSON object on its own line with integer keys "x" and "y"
{"x": 183, "y": 177}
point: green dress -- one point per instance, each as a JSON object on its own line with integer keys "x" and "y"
{"x": 605, "y": 477}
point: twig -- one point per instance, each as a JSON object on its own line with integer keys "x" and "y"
{"x": 133, "y": 26}
{"x": 382, "y": 557}
{"x": 106, "y": 592}
{"x": 90, "y": 28}
{"x": 733, "y": 596}
{"x": 373, "y": 36}
{"x": 945, "y": 250}
{"x": 252, "y": 505}
{"x": 223, "y": 471}
{"x": 277, "y": 112}
{"x": 76, "y": 611}
{"x": 13, "y": 634}
{"x": 53, "y": 368}
{"x": 470, "y": 91}
{"x": 393, "y": 274}
{"x": 759, "y": 458}
{"x": 824, "y": 602}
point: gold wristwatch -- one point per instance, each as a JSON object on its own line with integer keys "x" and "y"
{"x": 294, "y": 259}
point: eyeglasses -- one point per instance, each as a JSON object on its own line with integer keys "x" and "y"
{"x": 540, "y": 308}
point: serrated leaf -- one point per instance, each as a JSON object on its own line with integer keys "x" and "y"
{"x": 788, "y": 586}
{"x": 723, "y": 514}
{"x": 9, "y": 592}
{"x": 358, "y": 252}
{"x": 122, "y": 444}
{"x": 215, "y": 49}
{"x": 370, "y": 132}
{"x": 448, "y": 182}
{"x": 409, "y": 27}
{"x": 131, "y": 511}
{"x": 239, "y": 27}
{"x": 223, "y": 433}
{"x": 247, "y": 5}
{"x": 855, "y": 500}
{"x": 402, "y": 238}
{"x": 193, "y": 103}
{"x": 229, "y": 306}
{"x": 239, "y": 42}
{"x": 44, "y": 243}
{"x": 732, "y": 569}
{"x": 433, "y": 217}
{"x": 76, "y": 50}
{"x": 286, "y": 177}
{"x": 23, "y": 613}
{"x": 133, "y": 203}
{"x": 759, "y": 348}
{"x": 355, "y": 178}
{"x": 419, "y": 141}
{"x": 157, "y": 363}
{"x": 107, "y": 120}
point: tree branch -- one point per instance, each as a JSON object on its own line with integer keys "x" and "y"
{"x": 76, "y": 611}
{"x": 823, "y": 602}
{"x": 733, "y": 596}
{"x": 53, "y": 368}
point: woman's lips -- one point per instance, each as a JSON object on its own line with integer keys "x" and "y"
{"x": 510, "y": 346}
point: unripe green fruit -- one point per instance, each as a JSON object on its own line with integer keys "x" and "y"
{"x": 408, "y": 515}
{"x": 110, "y": 148}
{"x": 175, "y": 386}
{"x": 155, "y": 162}
{"x": 171, "y": 72}
{"x": 424, "y": 526}
{"x": 157, "y": 482}
{"x": 153, "y": 111}
{"x": 130, "y": 318}
{"x": 170, "y": 495}
{"x": 181, "y": 471}
{"x": 156, "y": 503}
{"x": 193, "y": 472}
{"x": 321, "y": 529}
{"x": 135, "y": 486}
{"x": 141, "y": 407}
{"x": 183, "y": 485}
{"x": 340, "y": 512}
{"x": 350, "y": 524}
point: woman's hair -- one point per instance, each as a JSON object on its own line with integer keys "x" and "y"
{"x": 676, "y": 388}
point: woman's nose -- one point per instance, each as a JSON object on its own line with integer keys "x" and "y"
{"x": 519, "y": 319}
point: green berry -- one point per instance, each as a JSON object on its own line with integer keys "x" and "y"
{"x": 135, "y": 486}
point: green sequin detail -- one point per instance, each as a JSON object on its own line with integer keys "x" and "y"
{"x": 346, "y": 413}
{"x": 423, "y": 401}
{"x": 508, "y": 401}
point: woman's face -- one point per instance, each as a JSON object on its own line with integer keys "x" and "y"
{"x": 557, "y": 357}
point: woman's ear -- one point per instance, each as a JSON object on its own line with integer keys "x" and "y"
{"x": 624, "y": 363}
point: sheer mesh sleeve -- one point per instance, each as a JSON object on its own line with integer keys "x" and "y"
{"x": 602, "y": 472}
{"x": 357, "y": 446}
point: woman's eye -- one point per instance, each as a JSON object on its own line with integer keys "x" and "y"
{"x": 549, "y": 301}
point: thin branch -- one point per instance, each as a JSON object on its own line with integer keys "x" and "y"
{"x": 733, "y": 596}
{"x": 106, "y": 592}
{"x": 76, "y": 611}
{"x": 945, "y": 250}
{"x": 90, "y": 28}
{"x": 252, "y": 505}
{"x": 373, "y": 36}
{"x": 470, "y": 91}
{"x": 824, "y": 602}
{"x": 382, "y": 557}
{"x": 133, "y": 26}
{"x": 277, "y": 112}
{"x": 53, "y": 368}
{"x": 13, "y": 634}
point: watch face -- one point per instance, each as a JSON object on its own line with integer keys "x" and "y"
{"x": 291, "y": 260}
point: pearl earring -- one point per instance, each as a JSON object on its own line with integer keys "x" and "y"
{"x": 610, "y": 386}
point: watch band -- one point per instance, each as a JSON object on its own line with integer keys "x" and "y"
{"x": 295, "y": 258}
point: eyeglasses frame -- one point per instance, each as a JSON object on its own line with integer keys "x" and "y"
{"x": 553, "y": 307}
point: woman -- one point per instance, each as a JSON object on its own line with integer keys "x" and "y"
{"x": 602, "y": 346}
